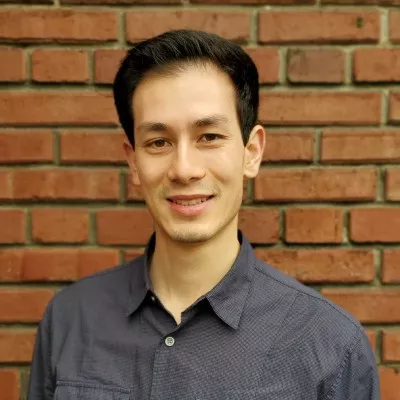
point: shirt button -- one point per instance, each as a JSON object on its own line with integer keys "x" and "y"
{"x": 153, "y": 298}
{"x": 169, "y": 341}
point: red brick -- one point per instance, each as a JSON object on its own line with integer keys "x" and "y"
{"x": 25, "y": 146}
{"x": 391, "y": 266}
{"x": 287, "y": 146}
{"x": 322, "y": 265}
{"x": 57, "y": 108}
{"x": 267, "y": 63}
{"x": 260, "y": 2}
{"x": 319, "y": 26}
{"x": 142, "y": 25}
{"x": 352, "y": 146}
{"x": 394, "y": 26}
{"x": 38, "y": 265}
{"x": 392, "y": 184}
{"x": 315, "y": 184}
{"x": 133, "y": 226}
{"x": 391, "y": 346}
{"x": 260, "y": 225}
{"x": 106, "y": 63}
{"x": 60, "y": 225}
{"x": 68, "y": 26}
{"x": 12, "y": 67}
{"x": 123, "y": 2}
{"x": 13, "y": 226}
{"x": 394, "y": 107}
{"x": 23, "y": 305}
{"x": 316, "y": 66}
{"x": 314, "y": 225}
{"x": 60, "y": 66}
{"x": 10, "y": 384}
{"x": 376, "y": 65}
{"x": 372, "y": 339}
{"x": 88, "y": 147}
{"x": 319, "y": 108}
{"x": 16, "y": 345}
{"x": 363, "y": 2}
{"x": 63, "y": 184}
{"x": 389, "y": 383}
{"x": 131, "y": 254}
{"x": 6, "y": 188}
{"x": 368, "y": 305}
{"x": 375, "y": 225}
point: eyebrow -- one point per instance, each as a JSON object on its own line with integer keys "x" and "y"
{"x": 211, "y": 120}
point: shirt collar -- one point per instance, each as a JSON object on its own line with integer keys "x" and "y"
{"x": 227, "y": 298}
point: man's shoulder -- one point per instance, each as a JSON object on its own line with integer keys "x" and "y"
{"x": 110, "y": 284}
{"x": 308, "y": 306}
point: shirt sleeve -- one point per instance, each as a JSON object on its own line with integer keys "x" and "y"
{"x": 358, "y": 377}
{"x": 41, "y": 380}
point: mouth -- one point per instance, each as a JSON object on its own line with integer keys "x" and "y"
{"x": 189, "y": 200}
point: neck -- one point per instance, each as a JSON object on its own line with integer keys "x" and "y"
{"x": 182, "y": 272}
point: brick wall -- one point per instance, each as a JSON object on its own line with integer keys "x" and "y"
{"x": 324, "y": 207}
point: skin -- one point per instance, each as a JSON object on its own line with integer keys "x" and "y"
{"x": 188, "y": 141}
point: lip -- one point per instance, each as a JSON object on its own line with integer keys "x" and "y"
{"x": 189, "y": 196}
{"x": 192, "y": 210}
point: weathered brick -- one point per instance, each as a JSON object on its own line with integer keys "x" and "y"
{"x": 319, "y": 26}
{"x": 12, "y": 226}
{"x": 267, "y": 63}
{"x": 68, "y": 26}
{"x": 122, "y": 2}
{"x": 6, "y": 188}
{"x": 316, "y": 66}
{"x": 63, "y": 184}
{"x": 391, "y": 346}
{"x": 60, "y": 225}
{"x": 10, "y": 384}
{"x": 352, "y": 146}
{"x": 389, "y": 380}
{"x": 363, "y": 2}
{"x": 394, "y": 26}
{"x": 89, "y": 147}
{"x": 133, "y": 226}
{"x": 391, "y": 266}
{"x": 131, "y": 254}
{"x": 314, "y": 225}
{"x": 259, "y": 225}
{"x": 16, "y": 345}
{"x": 372, "y": 339}
{"x": 12, "y": 66}
{"x": 394, "y": 107}
{"x": 376, "y": 65}
{"x": 297, "y": 146}
{"x": 260, "y": 2}
{"x": 315, "y": 184}
{"x": 59, "y": 265}
{"x": 60, "y": 66}
{"x": 57, "y": 108}
{"x": 368, "y": 305}
{"x": 25, "y": 146}
{"x": 142, "y": 25}
{"x": 106, "y": 63}
{"x": 375, "y": 225}
{"x": 319, "y": 108}
{"x": 23, "y": 305}
{"x": 322, "y": 265}
{"x": 392, "y": 184}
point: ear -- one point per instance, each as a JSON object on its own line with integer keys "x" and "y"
{"x": 254, "y": 151}
{"x": 131, "y": 158}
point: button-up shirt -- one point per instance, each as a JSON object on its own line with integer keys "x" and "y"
{"x": 258, "y": 334}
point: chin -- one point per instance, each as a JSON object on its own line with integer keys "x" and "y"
{"x": 191, "y": 235}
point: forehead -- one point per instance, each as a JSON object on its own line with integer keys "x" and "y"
{"x": 185, "y": 96}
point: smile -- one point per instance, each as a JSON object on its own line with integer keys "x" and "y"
{"x": 189, "y": 206}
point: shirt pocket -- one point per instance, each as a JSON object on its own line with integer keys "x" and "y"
{"x": 66, "y": 390}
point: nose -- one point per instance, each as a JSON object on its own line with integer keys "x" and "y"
{"x": 186, "y": 165}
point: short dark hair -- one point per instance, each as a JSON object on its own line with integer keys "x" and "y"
{"x": 171, "y": 51}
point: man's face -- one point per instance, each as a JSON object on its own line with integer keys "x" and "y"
{"x": 189, "y": 157}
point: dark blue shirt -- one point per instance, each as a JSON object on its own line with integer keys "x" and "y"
{"x": 257, "y": 334}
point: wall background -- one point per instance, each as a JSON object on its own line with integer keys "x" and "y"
{"x": 324, "y": 208}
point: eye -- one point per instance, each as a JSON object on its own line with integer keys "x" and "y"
{"x": 210, "y": 137}
{"x": 158, "y": 144}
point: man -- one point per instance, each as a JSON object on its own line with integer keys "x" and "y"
{"x": 197, "y": 317}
